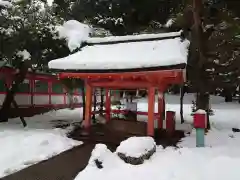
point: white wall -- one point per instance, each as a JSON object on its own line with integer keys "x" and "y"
{"x": 23, "y": 99}
{"x": 40, "y": 99}
{"x": 57, "y": 99}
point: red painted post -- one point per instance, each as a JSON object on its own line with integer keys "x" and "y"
{"x": 88, "y": 108}
{"x": 170, "y": 121}
{"x": 160, "y": 110}
{"x": 199, "y": 120}
{"x": 151, "y": 107}
{"x": 50, "y": 92}
{"x": 108, "y": 105}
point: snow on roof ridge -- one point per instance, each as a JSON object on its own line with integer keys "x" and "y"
{"x": 112, "y": 39}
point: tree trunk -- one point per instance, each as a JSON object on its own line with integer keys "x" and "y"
{"x": 202, "y": 100}
{"x": 18, "y": 79}
{"x": 227, "y": 95}
{"x": 21, "y": 118}
{"x": 15, "y": 105}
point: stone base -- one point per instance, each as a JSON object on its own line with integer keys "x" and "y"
{"x": 137, "y": 161}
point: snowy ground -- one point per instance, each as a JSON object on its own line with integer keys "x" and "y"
{"x": 226, "y": 115}
{"x": 219, "y": 160}
{"x": 22, "y": 147}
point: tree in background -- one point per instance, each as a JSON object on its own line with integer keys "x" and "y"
{"x": 214, "y": 52}
{"x": 28, "y": 42}
{"x": 122, "y": 17}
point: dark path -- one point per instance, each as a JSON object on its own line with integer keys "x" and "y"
{"x": 64, "y": 166}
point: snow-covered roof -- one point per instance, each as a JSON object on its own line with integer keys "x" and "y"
{"x": 127, "y": 52}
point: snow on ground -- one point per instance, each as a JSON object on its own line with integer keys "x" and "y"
{"x": 226, "y": 115}
{"x": 219, "y": 160}
{"x": 40, "y": 140}
{"x": 170, "y": 164}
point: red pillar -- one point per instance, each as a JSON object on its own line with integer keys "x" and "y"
{"x": 49, "y": 92}
{"x": 160, "y": 109}
{"x": 88, "y": 109}
{"x": 151, "y": 105}
{"x": 108, "y": 105}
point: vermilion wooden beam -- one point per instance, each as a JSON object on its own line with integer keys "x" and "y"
{"x": 108, "y": 105}
{"x": 88, "y": 108}
{"x": 122, "y": 84}
{"x": 150, "y": 74}
{"x": 151, "y": 105}
{"x": 160, "y": 109}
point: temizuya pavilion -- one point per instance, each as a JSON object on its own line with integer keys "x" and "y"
{"x": 147, "y": 61}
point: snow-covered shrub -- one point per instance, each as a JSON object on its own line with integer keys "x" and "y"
{"x": 135, "y": 150}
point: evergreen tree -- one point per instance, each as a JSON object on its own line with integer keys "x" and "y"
{"x": 122, "y": 17}
{"x": 216, "y": 67}
{"x": 27, "y": 32}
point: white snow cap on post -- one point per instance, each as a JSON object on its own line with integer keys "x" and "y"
{"x": 74, "y": 32}
{"x": 200, "y": 111}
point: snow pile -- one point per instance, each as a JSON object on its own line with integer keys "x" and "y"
{"x": 126, "y": 55}
{"x": 40, "y": 140}
{"x": 102, "y": 156}
{"x": 136, "y": 146}
{"x": 22, "y": 148}
{"x": 5, "y": 4}
{"x": 74, "y": 32}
